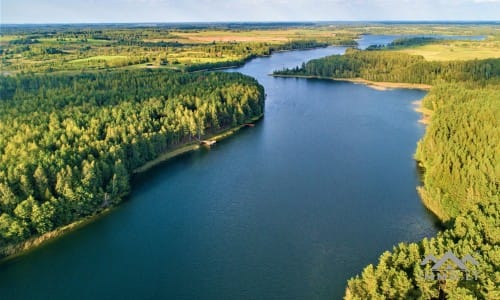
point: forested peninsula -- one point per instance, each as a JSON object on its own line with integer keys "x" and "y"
{"x": 69, "y": 143}
{"x": 459, "y": 158}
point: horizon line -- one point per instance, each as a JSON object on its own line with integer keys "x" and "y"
{"x": 253, "y": 22}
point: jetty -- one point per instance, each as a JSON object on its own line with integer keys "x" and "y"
{"x": 207, "y": 142}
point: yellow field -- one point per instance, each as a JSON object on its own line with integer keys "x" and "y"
{"x": 280, "y": 35}
{"x": 457, "y": 50}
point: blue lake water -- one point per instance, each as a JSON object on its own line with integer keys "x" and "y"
{"x": 288, "y": 209}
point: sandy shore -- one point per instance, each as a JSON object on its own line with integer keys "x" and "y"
{"x": 378, "y": 85}
{"x": 426, "y": 113}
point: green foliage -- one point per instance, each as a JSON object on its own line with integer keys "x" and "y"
{"x": 389, "y": 66}
{"x": 74, "y": 48}
{"x": 399, "y": 274}
{"x": 459, "y": 151}
{"x": 404, "y": 42}
{"x": 68, "y": 143}
{"x": 412, "y": 41}
{"x": 216, "y": 65}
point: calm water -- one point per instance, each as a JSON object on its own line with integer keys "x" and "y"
{"x": 384, "y": 39}
{"x": 289, "y": 209}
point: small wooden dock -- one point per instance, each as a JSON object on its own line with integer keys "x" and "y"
{"x": 207, "y": 142}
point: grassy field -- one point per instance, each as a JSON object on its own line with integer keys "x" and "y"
{"x": 417, "y": 29}
{"x": 72, "y": 49}
{"x": 64, "y": 49}
{"x": 96, "y": 58}
{"x": 457, "y": 50}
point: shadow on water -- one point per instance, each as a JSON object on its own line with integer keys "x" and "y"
{"x": 172, "y": 165}
{"x": 430, "y": 216}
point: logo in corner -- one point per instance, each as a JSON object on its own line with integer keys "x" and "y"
{"x": 450, "y": 267}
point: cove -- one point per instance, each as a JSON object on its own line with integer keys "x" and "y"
{"x": 288, "y": 209}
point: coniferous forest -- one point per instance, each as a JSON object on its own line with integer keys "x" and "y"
{"x": 397, "y": 67}
{"x": 69, "y": 143}
{"x": 84, "y": 108}
{"x": 460, "y": 164}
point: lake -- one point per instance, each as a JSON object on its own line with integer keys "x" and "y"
{"x": 288, "y": 209}
{"x": 384, "y": 39}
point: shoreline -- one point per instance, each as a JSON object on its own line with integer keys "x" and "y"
{"x": 426, "y": 115}
{"x": 13, "y": 251}
{"x": 383, "y": 86}
{"x": 192, "y": 146}
{"x": 254, "y": 56}
{"x": 425, "y": 112}
{"x": 377, "y": 85}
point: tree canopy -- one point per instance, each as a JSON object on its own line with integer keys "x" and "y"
{"x": 389, "y": 66}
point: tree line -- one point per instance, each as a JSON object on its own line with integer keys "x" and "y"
{"x": 405, "y": 42}
{"x": 249, "y": 51}
{"x": 460, "y": 149}
{"x": 391, "y": 66}
{"x": 69, "y": 143}
{"x": 400, "y": 275}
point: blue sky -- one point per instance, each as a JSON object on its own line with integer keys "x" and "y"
{"x": 89, "y": 11}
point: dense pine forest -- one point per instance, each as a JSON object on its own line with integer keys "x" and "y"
{"x": 397, "y": 67}
{"x": 459, "y": 151}
{"x": 405, "y": 42}
{"x": 69, "y": 143}
{"x": 459, "y": 158}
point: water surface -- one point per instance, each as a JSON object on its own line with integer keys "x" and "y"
{"x": 289, "y": 209}
{"x": 384, "y": 39}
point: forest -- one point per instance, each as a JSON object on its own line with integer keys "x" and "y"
{"x": 388, "y": 66}
{"x": 459, "y": 159}
{"x": 69, "y": 143}
{"x": 405, "y": 42}
{"x": 63, "y": 48}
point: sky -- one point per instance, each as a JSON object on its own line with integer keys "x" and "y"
{"x": 132, "y": 11}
